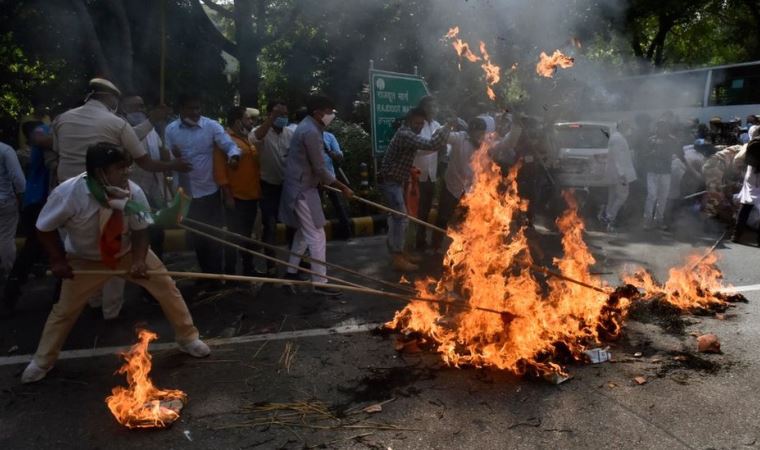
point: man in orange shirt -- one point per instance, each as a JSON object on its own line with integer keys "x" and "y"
{"x": 241, "y": 187}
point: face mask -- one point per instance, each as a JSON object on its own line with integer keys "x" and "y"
{"x": 189, "y": 122}
{"x": 280, "y": 122}
{"x": 328, "y": 118}
{"x": 136, "y": 118}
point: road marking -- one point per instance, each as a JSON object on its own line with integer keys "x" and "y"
{"x": 748, "y": 288}
{"x": 217, "y": 342}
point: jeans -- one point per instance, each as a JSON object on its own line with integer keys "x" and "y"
{"x": 427, "y": 192}
{"x": 209, "y": 210}
{"x": 270, "y": 205}
{"x": 394, "y": 197}
{"x": 658, "y": 187}
{"x": 240, "y": 221}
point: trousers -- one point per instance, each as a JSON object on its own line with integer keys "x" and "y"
{"x": 308, "y": 236}
{"x": 76, "y": 291}
{"x": 617, "y": 194}
{"x": 658, "y": 187}
{"x": 394, "y": 197}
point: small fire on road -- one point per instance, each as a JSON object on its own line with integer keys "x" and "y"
{"x": 141, "y": 404}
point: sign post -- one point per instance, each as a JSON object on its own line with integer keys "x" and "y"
{"x": 392, "y": 95}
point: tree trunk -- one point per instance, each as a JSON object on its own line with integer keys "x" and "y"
{"x": 91, "y": 39}
{"x": 249, "y": 42}
{"x": 125, "y": 55}
{"x": 655, "y": 52}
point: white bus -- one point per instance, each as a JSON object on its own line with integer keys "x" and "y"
{"x": 727, "y": 92}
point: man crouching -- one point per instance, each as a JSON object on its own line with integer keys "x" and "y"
{"x": 103, "y": 221}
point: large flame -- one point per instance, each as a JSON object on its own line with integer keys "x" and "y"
{"x": 696, "y": 285}
{"x": 141, "y": 404}
{"x": 488, "y": 264}
{"x": 547, "y": 65}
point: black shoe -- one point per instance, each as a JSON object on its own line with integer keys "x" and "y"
{"x": 327, "y": 291}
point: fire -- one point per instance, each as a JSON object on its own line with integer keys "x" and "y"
{"x": 694, "y": 286}
{"x": 488, "y": 264}
{"x": 142, "y": 405}
{"x": 492, "y": 71}
{"x": 548, "y": 64}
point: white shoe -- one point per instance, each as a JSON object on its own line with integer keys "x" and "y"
{"x": 196, "y": 348}
{"x": 34, "y": 373}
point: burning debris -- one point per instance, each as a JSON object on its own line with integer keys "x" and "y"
{"x": 548, "y": 65}
{"x": 492, "y": 72}
{"x": 545, "y": 326}
{"x": 141, "y": 404}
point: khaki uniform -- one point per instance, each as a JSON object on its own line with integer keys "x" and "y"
{"x": 723, "y": 177}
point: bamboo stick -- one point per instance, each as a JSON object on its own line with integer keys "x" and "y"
{"x": 390, "y": 210}
{"x": 266, "y": 280}
{"x": 305, "y": 258}
{"x": 267, "y": 257}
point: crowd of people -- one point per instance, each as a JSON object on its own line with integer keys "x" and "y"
{"x": 696, "y": 166}
{"x": 92, "y": 177}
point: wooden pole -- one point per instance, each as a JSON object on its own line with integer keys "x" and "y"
{"x": 269, "y": 258}
{"x": 225, "y": 277}
{"x": 305, "y": 258}
{"x": 390, "y": 210}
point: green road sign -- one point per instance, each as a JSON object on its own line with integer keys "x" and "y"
{"x": 392, "y": 95}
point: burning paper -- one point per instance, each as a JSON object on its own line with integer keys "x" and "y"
{"x": 141, "y": 404}
{"x": 548, "y": 65}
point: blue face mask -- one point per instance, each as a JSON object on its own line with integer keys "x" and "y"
{"x": 280, "y": 122}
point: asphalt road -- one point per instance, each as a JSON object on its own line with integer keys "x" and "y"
{"x": 311, "y": 352}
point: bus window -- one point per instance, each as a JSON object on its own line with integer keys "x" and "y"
{"x": 735, "y": 86}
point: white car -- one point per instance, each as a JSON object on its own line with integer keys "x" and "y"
{"x": 579, "y": 153}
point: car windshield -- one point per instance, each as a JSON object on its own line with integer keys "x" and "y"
{"x": 581, "y": 136}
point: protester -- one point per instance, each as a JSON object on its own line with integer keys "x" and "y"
{"x": 12, "y": 187}
{"x": 395, "y": 172}
{"x": 678, "y": 171}
{"x": 37, "y": 184}
{"x": 39, "y": 113}
{"x": 300, "y": 205}
{"x": 425, "y": 172}
{"x": 241, "y": 188}
{"x": 657, "y": 165}
{"x": 459, "y": 174}
{"x": 78, "y": 206}
{"x": 749, "y": 196}
{"x": 193, "y": 137}
{"x": 272, "y": 140}
{"x": 156, "y": 187}
{"x": 723, "y": 178}
{"x": 334, "y": 155}
{"x": 620, "y": 173}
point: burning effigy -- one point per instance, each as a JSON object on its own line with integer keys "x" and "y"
{"x": 141, "y": 404}
{"x": 545, "y": 325}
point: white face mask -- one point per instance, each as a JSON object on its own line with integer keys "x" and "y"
{"x": 136, "y": 118}
{"x": 328, "y": 118}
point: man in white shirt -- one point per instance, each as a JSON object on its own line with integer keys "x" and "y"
{"x": 427, "y": 164}
{"x": 105, "y": 219}
{"x": 620, "y": 174}
{"x": 272, "y": 140}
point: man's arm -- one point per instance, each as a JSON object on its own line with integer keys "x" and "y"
{"x": 14, "y": 170}
{"x": 437, "y": 142}
{"x": 261, "y": 131}
{"x": 315, "y": 145}
{"x": 225, "y": 143}
{"x": 51, "y": 242}
{"x": 141, "y": 157}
